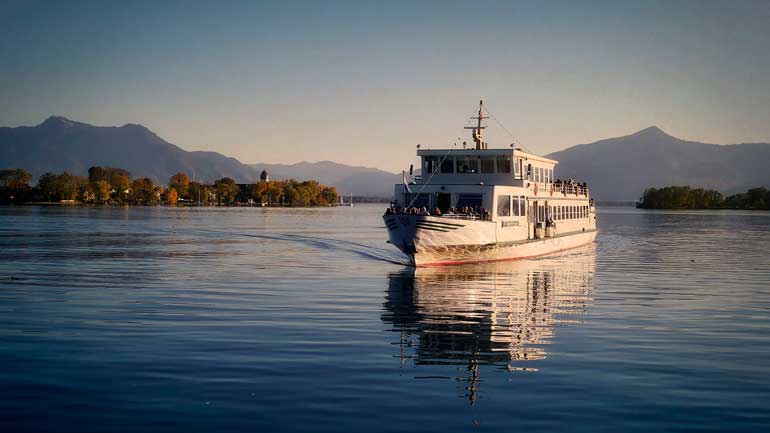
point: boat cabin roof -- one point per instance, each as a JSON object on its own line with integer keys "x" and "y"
{"x": 513, "y": 153}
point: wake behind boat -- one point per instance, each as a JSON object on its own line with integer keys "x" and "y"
{"x": 481, "y": 204}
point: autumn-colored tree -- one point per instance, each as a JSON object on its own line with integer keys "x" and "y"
{"x": 14, "y": 185}
{"x": 101, "y": 190}
{"x": 143, "y": 192}
{"x": 181, "y": 183}
{"x": 15, "y": 179}
{"x": 329, "y": 195}
{"x": 171, "y": 196}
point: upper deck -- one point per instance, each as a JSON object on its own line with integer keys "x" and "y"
{"x": 511, "y": 167}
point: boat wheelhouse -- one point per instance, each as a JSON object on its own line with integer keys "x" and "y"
{"x": 480, "y": 204}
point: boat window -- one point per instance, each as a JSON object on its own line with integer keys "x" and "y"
{"x": 467, "y": 165}
{"x": 504, "y": 164}
{"x": 518, "y": 206}
{"x": 517, "y": 168}
{"x": 529, "y": 171}
{"x": 429, "y": 165}
{"x": 550, "y": 175}
{"x": 503, "y": 205}
{"x": 472, "y": 200}
{"x": 448, "y": 166}
{"x": 558, "y": 213}
{"x": 487, "y": 165}
{"x": 542, "y": 174}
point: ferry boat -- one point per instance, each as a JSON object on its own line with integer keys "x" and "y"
{"x": 479, "y": 204}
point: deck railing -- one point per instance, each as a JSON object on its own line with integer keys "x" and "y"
{"x": 565, "y": 189}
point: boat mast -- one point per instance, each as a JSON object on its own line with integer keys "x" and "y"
{"x": 476, "y": 134}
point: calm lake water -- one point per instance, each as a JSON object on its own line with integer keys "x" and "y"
{"x": 186, "y": 320}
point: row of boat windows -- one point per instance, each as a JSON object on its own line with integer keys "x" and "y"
{"x": 486, "y": 165}
{"x": 560, "y": 213}
{"x": 508, "y": 205}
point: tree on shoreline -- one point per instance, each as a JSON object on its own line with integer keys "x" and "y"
{"x": 683, "y": 197}
{"x": 14, "y": 185}
{"x": 181, "y": 183}
{"x": 227, "y": 190}
{"x": 111, "y": 185}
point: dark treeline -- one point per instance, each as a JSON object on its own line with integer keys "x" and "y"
{"x": 684, "y": 197}
{"x": 109, "y": 185}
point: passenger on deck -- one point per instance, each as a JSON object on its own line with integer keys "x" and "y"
{"x": 424, "y": 211}
{"x": 437, "y": 211}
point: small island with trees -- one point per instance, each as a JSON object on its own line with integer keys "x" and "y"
{"x": 684, "y": 197}
{"x": 114, "y": 186}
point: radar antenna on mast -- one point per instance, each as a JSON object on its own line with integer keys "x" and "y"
{"x": 476, "y": 134}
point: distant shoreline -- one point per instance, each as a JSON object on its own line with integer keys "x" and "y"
{"x": 686, "y": 198}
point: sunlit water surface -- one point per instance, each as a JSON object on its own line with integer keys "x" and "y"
{"x": 162, "y": 319}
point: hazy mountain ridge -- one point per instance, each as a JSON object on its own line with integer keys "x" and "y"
{"x": 365, "y": 181}
{"x": 621, "y": 168}
{"x": 60, "y": 144}
{"x": 616, "y": 169}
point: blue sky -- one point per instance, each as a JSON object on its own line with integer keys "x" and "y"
{"x": 363, "y": 82}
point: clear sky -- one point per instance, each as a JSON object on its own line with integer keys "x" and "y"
{"x": 363, "y": 82}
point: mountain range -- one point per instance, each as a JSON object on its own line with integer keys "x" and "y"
{"x": 616, "y": 169}
{"x": 60, "y": 144}
{"x": 621, "y": 168}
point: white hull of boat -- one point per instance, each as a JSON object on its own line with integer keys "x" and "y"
{"x": 434, "y": 241}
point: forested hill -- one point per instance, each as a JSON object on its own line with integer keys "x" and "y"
{"x": 618, "y": 169}
{"x": 60, "y": 144}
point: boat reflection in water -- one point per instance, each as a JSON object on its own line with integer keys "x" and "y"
{"x": 501, "y": 314}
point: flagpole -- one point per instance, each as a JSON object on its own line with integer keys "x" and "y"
{"x": 403, "y": 188}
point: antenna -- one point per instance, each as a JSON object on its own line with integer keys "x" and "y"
{"x": 476, "y": 134}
